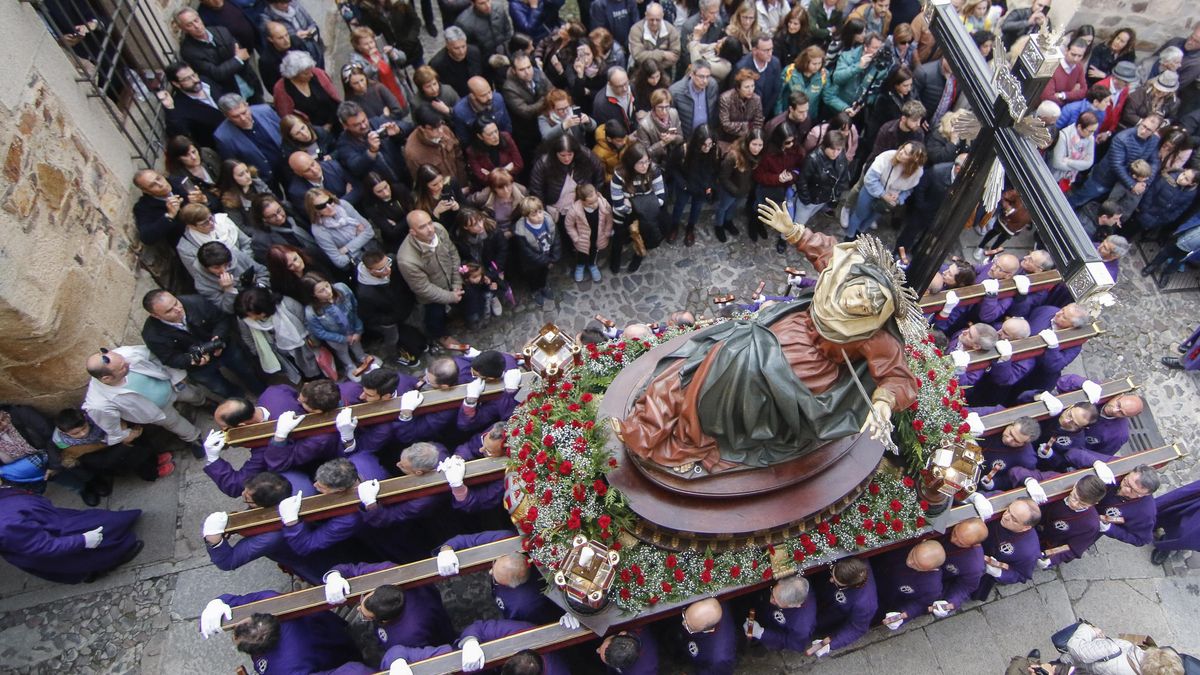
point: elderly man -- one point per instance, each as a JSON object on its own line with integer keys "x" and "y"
{"x": 250, "y": 134}
{"x": 154, "y": 213}
{"x": 1111, "y": 250}
{"x": 458, "y": 61}
{"x": 1035, "y": 261}
{"x": 963, "y": 569}
{"x": 428, "y": 261}
{"x": 487, "y": 25}
{"x": 519, "y": 591}
{"x": 129, "y": 388}
{"x": 695, "y": 97}
{"x": 1011, "y": 549}
{"x": 277, "y": 42}
{"x": 190, "y": 334}
{"x": 304, "y": 30}
{"x": 708, "y": 637}
{"x": 705, "y": 27}
{"x": 761, "y": 60}
{"x": 992, "y": 309}
{"x": 1119, "y": 84}
{"x": 192, "y": 111}
{"x": 1139, "y": 142}
{"x": 908, "y": 580}
{"x": 308, "y": 173}
{"x": 368, "y": 145}
{"x": 615, "y": 101}
{"x": 1044, "y": 321}
{"x": 785, "y": 616}
{"x": 996, "y": 385}
{"x": 845, "y": 606}
{"x": 653, "y": 38}
{"x": 217, "y": 57}
{"x": 433, "y": 143}
{"x": 481, "y": 100}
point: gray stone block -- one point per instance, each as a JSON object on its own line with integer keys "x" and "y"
{"x": 194, "y": 588}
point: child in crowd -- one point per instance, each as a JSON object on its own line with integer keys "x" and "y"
{"x": 539, "y": 245}
{"x": 332, "y": 316}
{"x": 611, "y": 141}
{"x": 589, "y": 224}
{"x": 478, "y": 291}
{"x": 1129, "y": 198}
{"x": 83, "y": 448}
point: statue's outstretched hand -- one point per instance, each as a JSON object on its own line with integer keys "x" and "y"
{"x": 879, "y": 422}
{"x": 777, "y": 217}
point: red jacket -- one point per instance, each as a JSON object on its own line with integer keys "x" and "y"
{"x": 284, "y": 105}
{"x": 479, "y": 160}
{"x": 1112, "y": 114}
{"x": 1073, "y": 85}
{"x": 770, "y": 165}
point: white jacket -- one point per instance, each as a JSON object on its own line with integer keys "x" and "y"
{"x": 108, "y": 405}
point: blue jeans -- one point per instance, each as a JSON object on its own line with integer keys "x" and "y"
{"x": 236, "y": 360}
{"x": 802, "y": 212}
{"x": 725, "y": 207}
{"x": 682, "y": 197}
{"x": 863, "y": 215}
{"x": 1088, "y": 192}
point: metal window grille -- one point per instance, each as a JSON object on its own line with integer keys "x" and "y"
{"x": 119, "y": 49}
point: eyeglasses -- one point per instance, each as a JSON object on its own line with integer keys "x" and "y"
{"x": 321, "y": 206}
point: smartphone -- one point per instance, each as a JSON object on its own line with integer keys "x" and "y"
{"x": 575, "y": 111}
{"x": 673, "y": 130}
{"x": 186, "y": 184}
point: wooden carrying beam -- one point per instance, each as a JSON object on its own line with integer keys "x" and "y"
{"x": 995, "y": 422}
{"x": 256, "y": 435}
{"x": 392, "y": 490}
{"x": 419, "y": 573}
{"x": 550, "y": 637}
{"x": 1028, "y": 348}
{"x": 973, "y": 294}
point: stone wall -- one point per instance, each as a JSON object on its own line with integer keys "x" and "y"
{"x": 1154, "y": 21}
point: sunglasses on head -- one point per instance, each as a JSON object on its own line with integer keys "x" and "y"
{"x": 104, "y": 356}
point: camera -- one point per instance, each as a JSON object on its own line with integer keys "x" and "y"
{"x": 198, "y": 352}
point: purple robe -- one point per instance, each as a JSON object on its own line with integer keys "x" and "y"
{"x": 994, "y": 450}
{"x": 961, "y": 573}
{"x": 647, "y": 660}
{"x": 1020, "y": 551}
{"x": 304, "y": 454}
{"x": 1063, "y": 526}
{"x": 229, "y": 555}
{"x": 47, "y": 541}
{"x": 992, "y": 308}
{"x": 486, "y": 413}
{"x": 1179, "y": 516}
{"x": 526, "y": 602}
{"x": 426, "y": 427}
{"x": 306, "y": 538}
{"x": 999, "y": 381}
{"x": 460, "y": 541}
{"x": 280, "y": 398}
{"x": 844, "y": 614}
{"x": 423, "y": 622}
{"x": 1139, "y": 515}
{"x": 412, "y": 655}
{"x": 276, "y": 399}
{"x": 712, "y": 653}
{"x": 903, "y": 589}
{"x": 494, "y": 629}
{"x": 1023, "y": 305}
{"x": 306, "y": 644}
{"x": 790, "y": 628}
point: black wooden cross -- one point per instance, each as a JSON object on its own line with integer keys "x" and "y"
{"x": 998, "y": 106}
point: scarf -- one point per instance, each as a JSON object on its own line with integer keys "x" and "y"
{"x": 287, "y": 17}
{"x": 224, "y": 231}
{"x": 832, "y": 321}
{"x": 365, "y": 278}
{"x": 949, "y": 93}
{"x": 289, "y": 335}
{"x": 13, "y": 445}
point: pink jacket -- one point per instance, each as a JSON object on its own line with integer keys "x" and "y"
{"x": 577, "y": 226}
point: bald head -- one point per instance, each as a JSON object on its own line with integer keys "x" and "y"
{"x": 1073, "y": 315}
{"x": 302, "y": 164}
{"x": 110, "y": 368}
{"x": 1014, "y": 328}
{"x": 511, "y": 570}
{"x": 703, "y": 614}
{"x": 926, "y": 556}
{"x": 637, "y": 331}
{"x": 1005, "y": 266}
{"x": 968, "y": 533}
{"x": 1126, "y": 405}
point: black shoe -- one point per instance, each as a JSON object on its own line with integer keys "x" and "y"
{"x": 720, "y": 233}
{"x": 672, "y": 235}
{"x": 89, "y": 496}
{"x": 1171, "y": 362}
{"x": 133, "y": 552}
{"x": 431, "y": 29}
{"x": 1159, "y": 556}
{"x": 1147, "y": 270}
{"x": 406, "y": 360}
{"x": 103, "y": 485}
{"x": 1162, "y": 280}
{"x": 752, "y": 232}
{"x": 197, "y": 450}
{"x": 1181, "y": 348}
{"x": 689, "y": 237}
{"x": 1035, "y": 654}
{"x": 780, "y": 246}
{"x": 636, "y": 263}
{"x": 731, "y": 228}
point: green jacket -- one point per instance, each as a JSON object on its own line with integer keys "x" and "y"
{"x": 794, "y": 80}
{"x": 848, "y": 82}
{"x": 821, "y": 27}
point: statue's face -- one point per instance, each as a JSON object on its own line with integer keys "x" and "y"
{"x": 856, "y": 300}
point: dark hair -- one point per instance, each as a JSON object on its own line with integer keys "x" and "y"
{"x": 848, "y": 35}
{"x": 309, "y": 283}
{"x": 850, "y": 571}
{"x": 1086, "y": 119}
{"x": 965, "y": 276}
{"x": 1108, "y": 209}
{"x": 797, "y": 98}
{"x": 258, "y": 204}
{"x": 282, "y": 279}
{"x": 176, "y": 148}
{"x": 69, "y": 418}
{"x": 257, "y": 635}
{"x": 212, "y": 254}
{"x": 1098, "y": 93}
{"x": 172, "y": 70}
{"x": 151, "y": 297}
{"x": 425, "y": 116}
{"x": 481, "y": 123}
{"x": 518, "y": 43}
{"x": 896, "y": 77}
{"x": 322, "y": 395}
{"x": 695, "y": 144}
{"x": 635, "y": 153}
{"x": 1091, "y": 489}
{"x": 489, "y": 364}
{"x": 267, "y": 489}
{"x": 623, "y": 651}
{"x": 834, "y": 140}
{"x": 255, "y": 300}
{"x": 241, "y": 412}
{"x": 386, "y": 603}
{"x": 231, "y": 192}
{"x": 524, "y": 662}
{"x": 779, "y": 137}
{"x": 382, "y": 380}
{"x": 615, "y": 129}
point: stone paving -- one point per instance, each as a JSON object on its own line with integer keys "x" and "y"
{"x": 143, "y": 617}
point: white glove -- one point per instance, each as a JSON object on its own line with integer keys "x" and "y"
{"x": 1004, "y": 348}
{"x": 1054, "y": 405}
{"x": 475, "y": 389}
{"x": 1045, "y": 450}
{"x": 336, "y": 588}
{"x": 991, "y": 286}
{"x": 512, "y": 379}
{"x": 346, "y": 423}
{"x": 368, "y": 492}
{"x": 976, "y": 424}
{"x": 210, "y": 618}
{"x": 960, "y": 358}
{"x": 447, "y": 563}
{"x": 949, "y": 304}
{"x": 823, "y": 650}
{"x": 992, "y": 570}
{"x": 215, "y": 524}
{"x": 472, "y": 656}
{"x": 213, "y": 444}
{"x": 795, "y": 280}
{"x": 939, "y": 609}
{"x": 289, "y": 509}
{"x": 472, "y": 352}
{"x": 983, "y": 506}
{"x": 400, "y": 667}
{"x": 1093, "y": 391}
{"x": 611, "y": 333}
{"x": 1035, "y": 491}
{"x": 1104, "y": 527}
{"x": 286, "y": 423}
{"x": 1022, "y": 283}
{"x": 1043, "y": 563}
{"x": 569, "y": 621}
{"x": 987, "y": 483}
{"x": 92, "y": 538}
{"x": 1050, "y": 337}
{"x": 454, "y": 468}
{"x": 893, "y": 620}
{"x": 409, "y": 400}
{"x": 1104, "y": 473}
{"x": 752, "y": 628}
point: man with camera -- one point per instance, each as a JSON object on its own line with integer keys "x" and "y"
{"x": 189, "y": 333}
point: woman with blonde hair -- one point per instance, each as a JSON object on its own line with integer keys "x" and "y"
{"x": 660, "y": 131}
{"x": 886, "y": 185}
{"x": 976, "y": 15}
{"x": 201, "y": 226}
{"x": 739, "y": 109}
{"x": 742, "y": 29}
{"x": 608, "y": 52}
{"x": 807, "y": 74}
{"x": 431, "y": 94}
{"x": 499, "y": 198}
{"x": 377, "y": 64}
{"x": 340, "y": 231}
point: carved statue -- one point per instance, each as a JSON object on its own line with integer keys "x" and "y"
{"x": 758, "y": 392}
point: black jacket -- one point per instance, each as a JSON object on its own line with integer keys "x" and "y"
{"x": 215, "y": 62}
{"x": 171, "y": 344}
{"x": 153, "y": 224}
{"x": 823, "y": 180}
{"x": 194, "y": 119}
{"x": 387, "y": 304}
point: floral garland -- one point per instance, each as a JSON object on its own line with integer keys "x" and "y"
{"x": 939, "y": 414}
{"x": 558, "y": 455}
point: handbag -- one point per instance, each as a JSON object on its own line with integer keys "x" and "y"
{"x": 648, "y": 214}
{"x": 324, "y": 359}
{"x": 879, "y": 204}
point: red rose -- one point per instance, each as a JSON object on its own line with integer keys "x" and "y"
{"x": 836, "y": 520}
{"x": 547, "y": 497}
{"x": 527, "y": 528}
{"x": 618, "y": 357}
{"x": 604, "y": 521}
{"x": 921, "y": 438}
{"x": 937, "y": 351}
{"x": 915, "y": 405}
{"x": 640, "y": 580}
{"x": 873, "y": 489}
{"x": 831, "y": 539}
{"x": 924, "y": 505}
{"x": 559, "y": 424}
{"x": 576, "y": 512}
{"x": 860, "y": 541}
{"x": 918, "y": 425}
{"x": 896, "y": 505}
{"x": 573, "y": 523}
{"x": 626, "y": 576}
{"x": 798, "y": 555}
{"x": 574, "y": 407}
{"x": 810, "y": 547}
{"x": 600, "y": 487}
{"x": 805, "y": 539}
{"x": 612, "y": 462}
{"x": 953, "y": 385}
{"x": 666, "y": 587}
{"x": 541, "y": 457}
{"x": 920, "y": 521}
{"x": 706, "y": 576}
{"x": 548, "y": 441}
{"x": 823, "y": 528}
{"x": 565, "y": 467}
{"x": 635, "y": 569}
{"x": 963, "y": 413}
{"x": 578, "y": 493}
{"x": 709, "y": 563}
{"x": 767, "y": 573}
{"x": 586, "y": 398}
{"x": 528, "y": 477}
{"x": 624, "y": 593}
{"x": 908, "y": 482}
{"x": 678, "y": 574}
{"x": 735, "y": 571}
{"x": 616, "y": 546}
{"x": 862, "y": 508}
{"x": 589, "y": 425}
{"x": 947, "y": 428}
{"x": 897, "y": 525}
{"x": 964, "y": 427}
{"x": 881, "y": 528}
{"x": 532, "y": 514}
{"x": 670, "y": 561}
{"x": 523, "y": 454}
{"x": 868, "y": 524}
{"x": 653, "y": 600}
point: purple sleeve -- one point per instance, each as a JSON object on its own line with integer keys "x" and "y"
{"x": 1079, "y": 457}
{"x": 239, "y": 600}
{"x": 460, "y": 541}
{"x": 1054, "y": 360}
{"x": 947, "y": 324}
{"x": 1008, "y": 374}
{"x": 228, "y": 556}
{"x": 1069, "y": 382}
{"x": 385, "y": 515}
{"x": 960, "y": 587}
{"x": 1138, "y": 528}
{"x": 486, "y": 630}
{"x": 36, "y": 542}
{"x": 487, "y": 413}
{"x": 348, "y": 570}
{"x": 986, "y": 409}
{"x": 1019, "y": 571}
{"x": 423, "y": 427}
{"x": 1018, "y": 474}
{"x": 482, "y": 497}
{"x": 1079, "y": 543}
{"x": 412, "y": 655}
{"x": 859, "y": 622}
{"x": 307, "y": 538}
{"x": 993, "y": 308}
{"x": 801, "y": 623}
{"x": 470, "y": 449}
{"x": 298, "y": 452}
{"x": 971, "y": 377}
{"x": 231, "y": 481}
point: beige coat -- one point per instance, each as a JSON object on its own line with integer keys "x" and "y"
{"x": 432, "y": 275}
{"x": 577, "y": 226}
{"x": 666, "y": 48}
